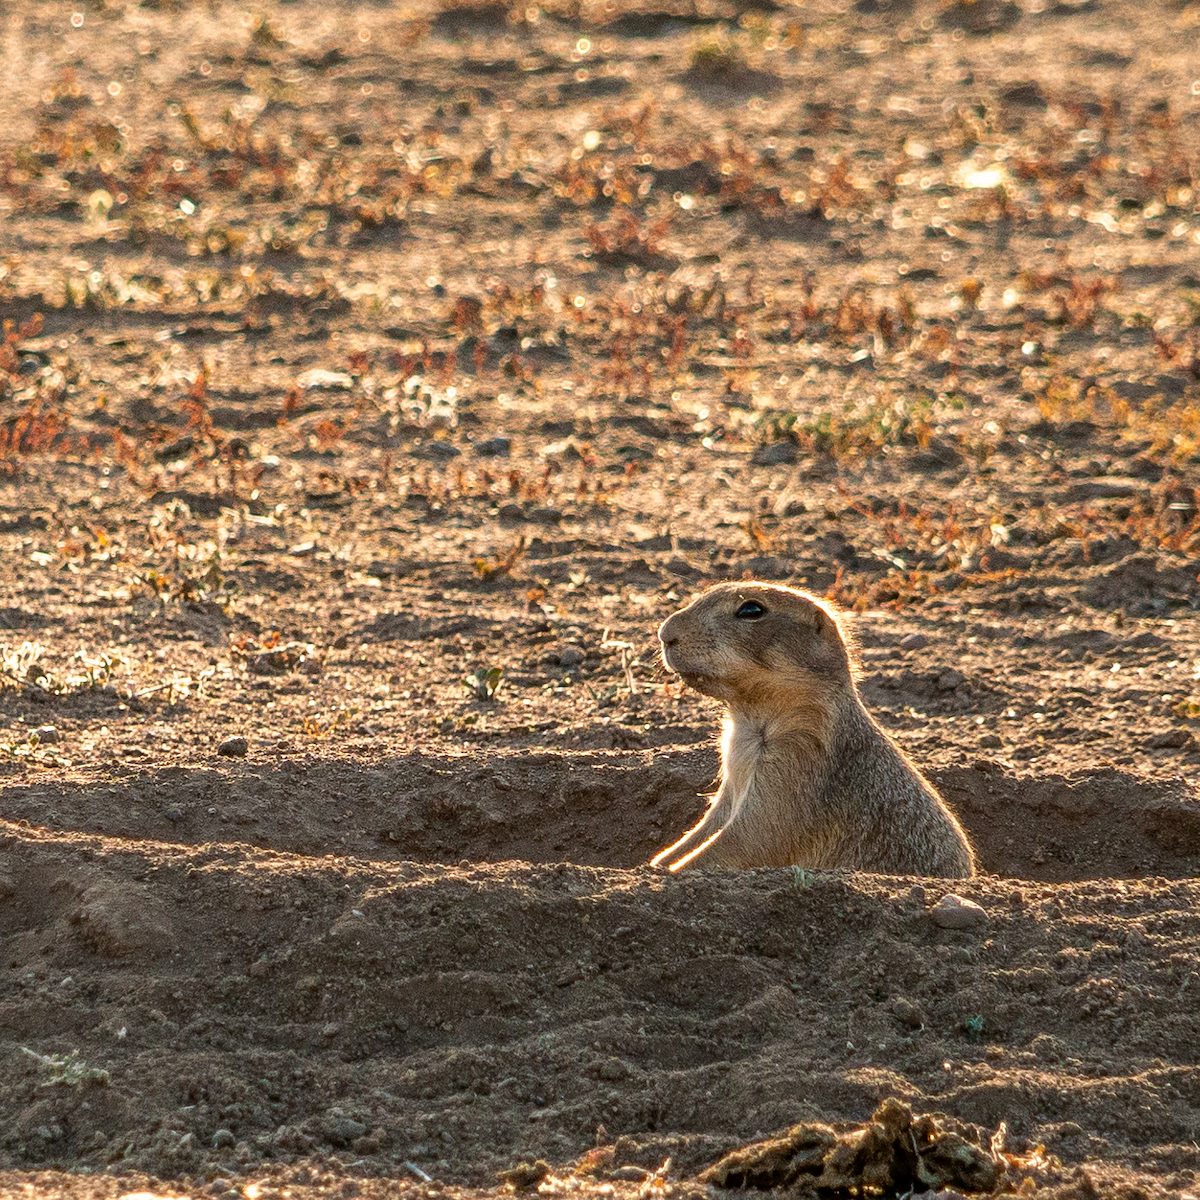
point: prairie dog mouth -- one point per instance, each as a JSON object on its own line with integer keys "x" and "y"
{"x": 671, "y": 660}
{"x": 702, "y": 681}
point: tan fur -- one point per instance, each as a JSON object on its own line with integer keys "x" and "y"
{"x": 808, "y": 778}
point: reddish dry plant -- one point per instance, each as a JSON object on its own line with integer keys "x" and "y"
{"x": 851, "y": 316}
{"x": 629, "y": 237}
{"x": 1076, "y": 300}
{"x": 1180, "y": 352}
{"x": 38, "y": 427}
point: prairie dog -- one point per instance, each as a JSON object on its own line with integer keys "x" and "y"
{"x": 808, "y": 778}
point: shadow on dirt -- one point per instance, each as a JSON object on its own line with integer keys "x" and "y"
{"x": 591, "y": 808}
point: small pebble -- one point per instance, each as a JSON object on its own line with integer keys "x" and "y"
{"x": 907, "y": 1013}
{"x": 222, "y": 1138}
{"x": 342, "y": 1130}
{"x": 612, "y": 1069}
{"x": 954, "y": 912}
{"x": 233, "y": 747}
{"x": 325, "y": 381}
{"x": 569, "y": 656}
{"x": 494, "y": 447}
{"x": 47, "y": 735}
{"x": 914, "y": 641}
{"x": 950, "y": 680}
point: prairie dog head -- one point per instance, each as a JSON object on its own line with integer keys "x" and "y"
{"x": 759, "y": 646}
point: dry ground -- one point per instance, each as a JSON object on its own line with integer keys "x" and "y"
{"x": 377, "y": 377}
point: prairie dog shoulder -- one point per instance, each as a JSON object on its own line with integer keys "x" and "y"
{"x": 808, "y": 778}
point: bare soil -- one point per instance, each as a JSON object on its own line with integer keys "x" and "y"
{"x": 376, "y": 379}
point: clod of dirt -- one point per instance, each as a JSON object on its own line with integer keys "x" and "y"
{"x": 233, "y": 747}
{"x": 895, "y": 1153}
{"x": 47, "y": 735}
{"x": 954, "y": 912}
{"x": 907, "y": 1013}
{"x": 118, "y": 920}
{"x": 775, "y": 454}
{"x": 1173, "y": 739}
{"x": 525, "y": 1176}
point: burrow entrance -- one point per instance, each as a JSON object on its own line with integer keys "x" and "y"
{"x": 601, "y": 809}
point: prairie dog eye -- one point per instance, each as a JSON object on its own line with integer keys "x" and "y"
{"x": 751, "y": 610}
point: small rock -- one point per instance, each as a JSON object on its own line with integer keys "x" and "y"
{"x": 325, "y": 381}
{"x": 47, "y": 735}
{"x": 954, "y": 912}
{"x": 777, "y": 454}
{"x": 569, "y": 656}
{"x": 907, "y": 1013}
{"x": 1173, "y": 739}
{"x": 914, "y": 641}
{"x": 612, "y": 1069}
{"x": 950, "y": 680}
{"x": 991, "y": 741}
{"x": 525, "y": 1176}
{"x": 494, "y": 447}
{"x": 342, "y": 1130}
{"x": 439, "y": 449}
{"x": 233, "y": 747}
{"x": 223, "y": 1138}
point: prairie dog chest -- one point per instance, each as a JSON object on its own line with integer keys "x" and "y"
{"x": 744, "y": 749}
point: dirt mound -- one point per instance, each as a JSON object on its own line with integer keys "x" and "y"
{"x": 461, "y": 1018}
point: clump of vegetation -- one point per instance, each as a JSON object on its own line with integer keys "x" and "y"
{"x": 24, "y": 666}
{"x": 717, "y": 55}
{"x": 856, "y": 430}
{"x": 68, "y": 1070}
{"x": 484, "y": 682}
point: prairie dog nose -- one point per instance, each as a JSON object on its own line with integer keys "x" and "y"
{"x": 667, "y": 632}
